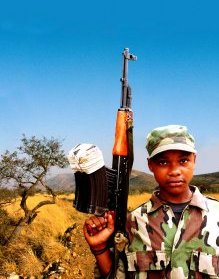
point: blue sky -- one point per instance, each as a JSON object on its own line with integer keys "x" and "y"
{"x": 61, "y": 63}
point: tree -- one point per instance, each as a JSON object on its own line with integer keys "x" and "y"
{"x": 26, "y": 168}
{"x": 7, "y": 196}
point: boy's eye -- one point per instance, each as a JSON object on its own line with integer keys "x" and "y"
{"x": 162, "y": 162}
{"x": 184, "y": 160}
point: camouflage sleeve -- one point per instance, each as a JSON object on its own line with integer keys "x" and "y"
{"x": 120, "y": 273}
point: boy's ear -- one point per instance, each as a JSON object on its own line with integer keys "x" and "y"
{"x": 150, "y": 165}
{"x": 194, "y": 157}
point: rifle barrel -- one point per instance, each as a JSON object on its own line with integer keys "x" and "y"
{"x": 126, "y": 90}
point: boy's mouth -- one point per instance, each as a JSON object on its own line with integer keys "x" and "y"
{"x": 175, "y": 183}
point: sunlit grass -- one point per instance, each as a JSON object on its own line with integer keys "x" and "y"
{"x": 136, "y": 200}
{"x": 39, "y": 243}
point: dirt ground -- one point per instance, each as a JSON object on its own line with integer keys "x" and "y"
{"x": 70, "y": 259}
{"x": 80, "y": 260}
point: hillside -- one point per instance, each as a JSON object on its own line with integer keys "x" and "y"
{"x": 52, "y": 245}
{"x": 64, "y": 181}
{"x": 208, "y": 182}
{"x": 139, "y": 182}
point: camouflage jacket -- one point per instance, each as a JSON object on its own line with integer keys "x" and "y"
{"x": 161, "y": 249}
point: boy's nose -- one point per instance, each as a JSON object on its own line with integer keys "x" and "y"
{"x": 174, "y": 170}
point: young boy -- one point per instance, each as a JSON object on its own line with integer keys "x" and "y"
{"x": 176, "y": 233}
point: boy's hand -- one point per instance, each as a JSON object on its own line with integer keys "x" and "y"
{"x": 97, "y": 230}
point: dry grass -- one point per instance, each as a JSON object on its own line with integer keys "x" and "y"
{"x": 39, "y": 244}
{"x": 136, "y": 200}
{"x": 216, "y": 196}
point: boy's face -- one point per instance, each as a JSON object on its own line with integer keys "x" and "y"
{"x": 173, "y": 171}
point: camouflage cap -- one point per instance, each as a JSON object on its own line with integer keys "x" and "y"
{"x": 171, "y": 137}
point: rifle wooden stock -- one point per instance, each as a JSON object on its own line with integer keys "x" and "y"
{"x": 123, "y": 124}
{"x": 122, "y": 163}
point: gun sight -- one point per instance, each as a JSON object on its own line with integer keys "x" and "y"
{"x": 126, "y": 95}
{"x": 128, "y": 55}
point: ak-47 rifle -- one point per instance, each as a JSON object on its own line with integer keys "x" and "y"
{"x": 123, "y": 156}
{"x": 98, "y": 188}
{"x": 123, "y": 146}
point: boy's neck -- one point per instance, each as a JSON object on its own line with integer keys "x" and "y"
{"x": 186, "y": 197}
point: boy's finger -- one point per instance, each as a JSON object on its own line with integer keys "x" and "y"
{"x": 89, "y": 230}
{"x": 111, "y": 217}
{"x": 98, "y": 223}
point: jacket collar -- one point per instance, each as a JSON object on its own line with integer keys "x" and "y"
{"x": 198, "y": 200}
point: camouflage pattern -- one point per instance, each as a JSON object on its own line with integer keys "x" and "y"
{"x": 169, "y": 137}
{"x": 160, "y": 249}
